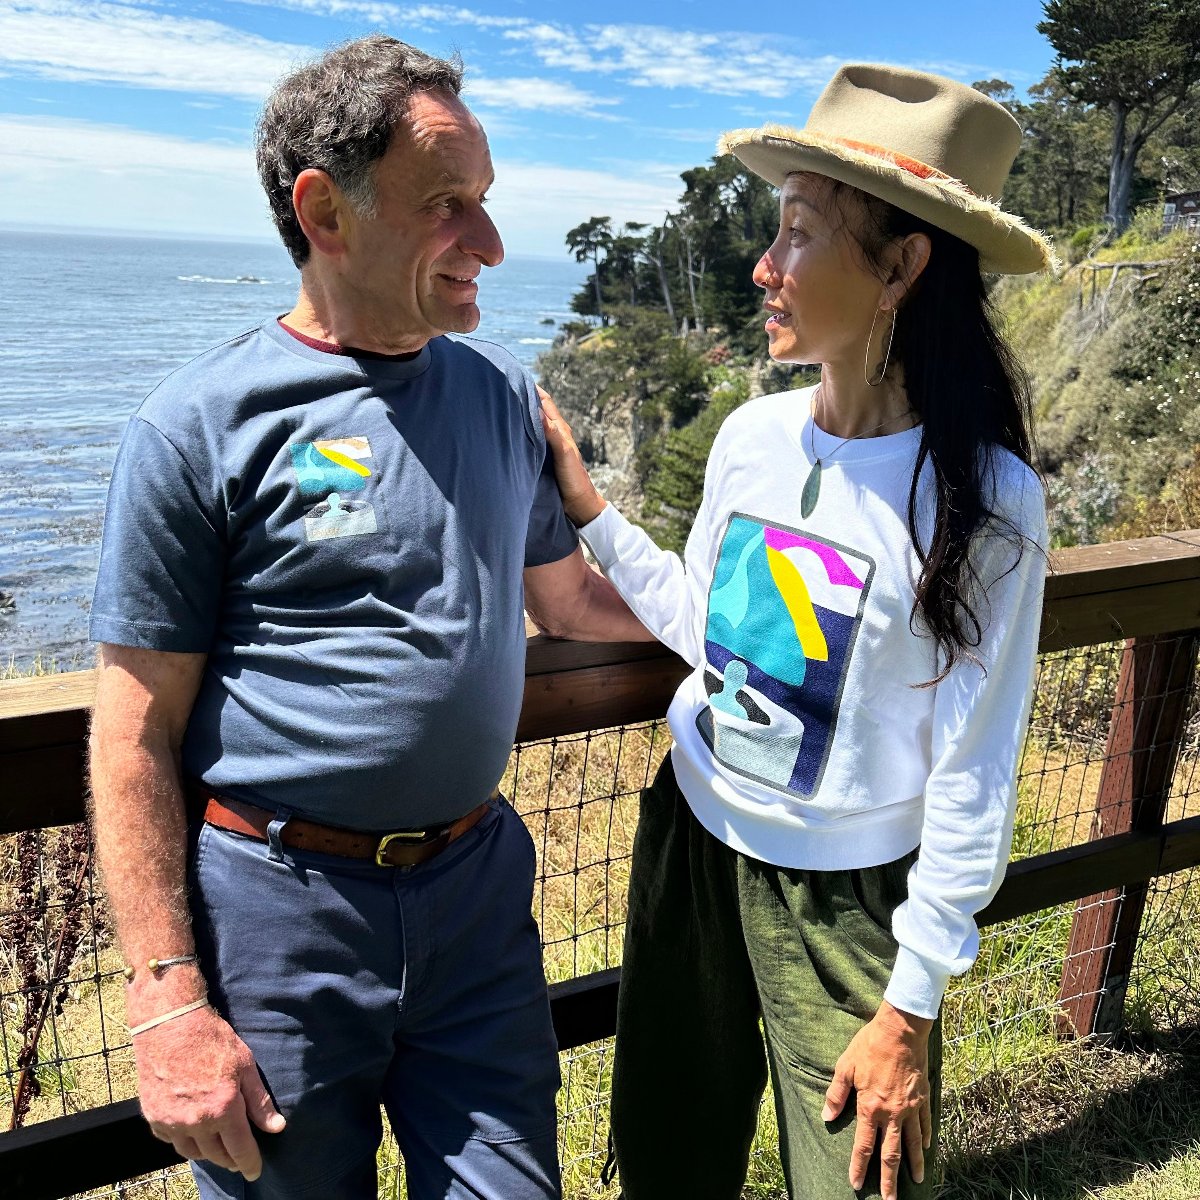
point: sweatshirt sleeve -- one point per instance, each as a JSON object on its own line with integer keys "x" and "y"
{"x": 981, "y": 711}
{"x": 668, "y": 595}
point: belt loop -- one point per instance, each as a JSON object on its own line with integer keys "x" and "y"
{"x": 275, "y": 832}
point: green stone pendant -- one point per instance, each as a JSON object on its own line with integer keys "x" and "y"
{"x": 812, "y": 491}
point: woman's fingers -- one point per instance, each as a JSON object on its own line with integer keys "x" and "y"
{"x": 914, "y": 1147}
{"x": 838, "y": 1091}
{"x": 580, "y": 499}
{"x": 890, "y": 1157}
{"x": 864, "y": 1147}
{"x": 554, "y": 422}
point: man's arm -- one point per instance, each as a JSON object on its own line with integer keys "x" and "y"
{"x": 197, "y": 1079}
{"x": 567, "y": 599}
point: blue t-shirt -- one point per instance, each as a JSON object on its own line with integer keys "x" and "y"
{"x": 344, "y": 538}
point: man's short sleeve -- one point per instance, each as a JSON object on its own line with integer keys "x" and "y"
{"x": 551, "y": 535}
{"x": 162, "y": 559}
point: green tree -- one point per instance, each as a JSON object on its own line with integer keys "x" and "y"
{"x": 624, "y": 262}
{"x": 727, "y": 219}
{"x": 1057, "y": 178}
{"x": 1139, "y": 59}
{"x": 999, "y": 90}
{"x": 655, "y": 250}
{"x": 587, "y": 241}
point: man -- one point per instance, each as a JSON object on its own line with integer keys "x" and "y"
{"x": 310, "y": 608}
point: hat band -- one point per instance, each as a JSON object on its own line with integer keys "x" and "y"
{"x": 914, "y": 166}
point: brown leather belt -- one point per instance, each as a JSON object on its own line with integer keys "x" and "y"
{"x": 403, "y": 848}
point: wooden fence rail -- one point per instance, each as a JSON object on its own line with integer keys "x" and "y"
{"x": 1146, "y": 592}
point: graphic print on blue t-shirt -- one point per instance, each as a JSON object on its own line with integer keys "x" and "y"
{"x": 783, "y": 613}
{"x": 325, "y": 471}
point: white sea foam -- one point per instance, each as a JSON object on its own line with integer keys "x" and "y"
{"x": 535, "y": 341}
{"x": 210, "y": 279}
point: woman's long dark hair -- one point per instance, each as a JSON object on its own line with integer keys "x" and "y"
{"x": 971, "y": 394}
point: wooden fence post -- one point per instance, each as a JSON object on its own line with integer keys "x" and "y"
{"x": 1148, "y": 722}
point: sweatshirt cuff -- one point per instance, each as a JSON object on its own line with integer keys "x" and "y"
{"x": 916, "y": 986}
{"x": 601, "y": 534}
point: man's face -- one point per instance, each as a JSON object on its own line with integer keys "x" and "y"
{"x": 413, "y": 266}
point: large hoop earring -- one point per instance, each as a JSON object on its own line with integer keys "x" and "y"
{"x": 887, "y": 354}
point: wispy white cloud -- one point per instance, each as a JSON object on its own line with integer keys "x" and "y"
{"x": 530, "y": 93}
{"x": 381, "y": 13}
{"x": 138, "y": 47}
{"x": 656, "y": 56}
{"x": 697, "y": 136}
{"x": 725, "y": 63}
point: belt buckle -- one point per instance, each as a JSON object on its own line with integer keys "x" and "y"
{"x": 414, "y": 836}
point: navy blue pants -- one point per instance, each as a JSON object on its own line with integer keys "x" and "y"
{"x": 418, "y": 987}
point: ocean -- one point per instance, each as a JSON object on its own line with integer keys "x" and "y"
{"x": 91, "y": 324}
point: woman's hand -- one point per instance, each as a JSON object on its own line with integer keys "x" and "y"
{"x": 887, "y": 1064}
{"x": 580, "y": 499}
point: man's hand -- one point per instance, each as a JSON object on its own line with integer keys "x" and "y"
{"x": 200, "y": 1090}
{"x": 581, "y": 501}
{"x": 887, "y": 1063}
{"x": 198, "y": 1083}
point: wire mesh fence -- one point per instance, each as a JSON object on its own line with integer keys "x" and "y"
{"x": 65, "y": 1047}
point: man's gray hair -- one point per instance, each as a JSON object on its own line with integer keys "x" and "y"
{"x": 338, "y": 114}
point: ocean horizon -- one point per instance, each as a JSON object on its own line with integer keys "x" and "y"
{"x": 94, "y": 320}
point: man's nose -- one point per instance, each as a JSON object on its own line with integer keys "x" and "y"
{"x": 482, "y": 239}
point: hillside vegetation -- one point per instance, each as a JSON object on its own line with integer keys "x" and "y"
{"x": 1115, "y": 367}
{"x": 1117, "y": 383}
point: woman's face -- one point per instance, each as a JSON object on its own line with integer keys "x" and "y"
{"x": 820, "y": 292}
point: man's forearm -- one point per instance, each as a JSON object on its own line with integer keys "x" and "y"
{"x": 599, "y": 614}
{"x": 141, "y": 843}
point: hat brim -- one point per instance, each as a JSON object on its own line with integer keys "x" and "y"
{"x": 1006, "y": 245}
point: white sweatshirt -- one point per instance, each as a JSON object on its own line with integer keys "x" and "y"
{"x": 802, "y": 737}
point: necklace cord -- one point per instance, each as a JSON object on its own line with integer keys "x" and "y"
{"x": 812, "y": 442}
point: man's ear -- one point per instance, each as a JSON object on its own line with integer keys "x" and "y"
{"x": 322, "y": 211}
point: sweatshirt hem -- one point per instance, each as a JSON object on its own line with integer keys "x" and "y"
{"x": 841, "y": 843}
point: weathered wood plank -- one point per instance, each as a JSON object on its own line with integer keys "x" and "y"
{"x": 43, "y": 787}
{"x": 1033, "y": 884}
{"x": 1086, "y": 620}
{"x": 547, "y": 656}
{"x": 40, "y": 694}
{"x": 1113, "y": 566}
{"x": 584, "y": 1009}
{"x": 80, "y": 1152}
{"x": 599, "y": 697}
{"x": 1181, "y": 846}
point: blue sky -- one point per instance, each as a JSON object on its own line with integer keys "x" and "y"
{"x": 137, "y": 114}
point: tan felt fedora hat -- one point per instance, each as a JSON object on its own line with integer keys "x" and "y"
{"x": 933, "y": 147}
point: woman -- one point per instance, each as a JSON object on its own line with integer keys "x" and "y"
{"x": 859, "y": 601}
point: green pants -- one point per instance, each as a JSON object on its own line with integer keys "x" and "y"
{"x": 714, "y": 942}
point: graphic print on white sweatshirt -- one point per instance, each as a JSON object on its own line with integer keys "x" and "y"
{"x": 784, "y": 611}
